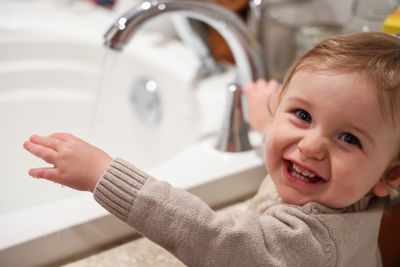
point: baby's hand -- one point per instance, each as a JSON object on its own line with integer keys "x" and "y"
{"x": 262, "y": 99}
{"x": 77, "y": 164}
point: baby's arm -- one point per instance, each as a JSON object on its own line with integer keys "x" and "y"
{"x": 188, "y": 228}
{"x": 77, "y": 164}
{"x": 262, "y": 98}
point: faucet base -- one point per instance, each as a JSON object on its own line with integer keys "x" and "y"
{"x": 234, "y": 134}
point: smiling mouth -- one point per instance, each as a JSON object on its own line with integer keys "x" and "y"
{"x": 302, "y": 174}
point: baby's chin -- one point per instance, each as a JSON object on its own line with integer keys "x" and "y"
{"x": 290, "y": 195}
{"x": 303, "y": 201}
{"x": 290, "y": 199}
{"x": 294, "y": 198}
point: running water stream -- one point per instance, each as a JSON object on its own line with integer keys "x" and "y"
{"x": 107, "y": 69}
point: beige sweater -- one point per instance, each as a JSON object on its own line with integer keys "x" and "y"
{"x": 276, "y": 234}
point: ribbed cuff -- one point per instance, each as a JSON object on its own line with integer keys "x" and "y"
{"x": 117, "y": 188}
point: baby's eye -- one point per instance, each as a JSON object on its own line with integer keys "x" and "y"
{"x": 350, "y": 139}
{"x": 303, "y": 115}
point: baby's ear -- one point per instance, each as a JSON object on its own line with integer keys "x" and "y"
{"x": 389, "y": 182}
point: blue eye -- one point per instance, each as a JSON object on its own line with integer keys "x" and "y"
{"x": 350, "y": 139}
{"x": 303, "y": 115}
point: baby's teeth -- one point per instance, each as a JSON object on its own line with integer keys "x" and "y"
{"x": 303, "y": 172}
{"x": 297, "y": 168}
{"x": 295, "y": 174}
{"x": 307, "y": 173}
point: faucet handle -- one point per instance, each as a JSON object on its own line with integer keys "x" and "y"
{"x": 234, "y": 134}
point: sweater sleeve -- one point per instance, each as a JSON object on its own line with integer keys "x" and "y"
{"x": 185, "y": 225}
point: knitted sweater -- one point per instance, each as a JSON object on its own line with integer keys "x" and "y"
{"x": 278, "y": 234}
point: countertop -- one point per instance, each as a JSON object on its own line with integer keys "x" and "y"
{"x": 141, "y": 252}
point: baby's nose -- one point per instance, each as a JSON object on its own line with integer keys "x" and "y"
{"x": 313, "y": 146}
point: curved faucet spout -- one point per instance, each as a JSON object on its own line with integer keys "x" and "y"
{"x": 245, "y": 50}
{"x": 244, "y": 47}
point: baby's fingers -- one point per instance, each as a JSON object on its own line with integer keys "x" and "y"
{"x": 50, "y": 173}
{"x": 249, "y": 86}
{"x": 45, "y": 153}
{"x": 49, "y": 142}
{"x": 274, "y": 84}
{"x": 261, "y": 84}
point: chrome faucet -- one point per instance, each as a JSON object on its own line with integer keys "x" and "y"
{"x": 280, "y": 36}
{"x": 193, "y": 33}
{"x": 244, "y": 47}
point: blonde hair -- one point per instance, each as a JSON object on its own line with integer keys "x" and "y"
{"x": 375, "y": 53}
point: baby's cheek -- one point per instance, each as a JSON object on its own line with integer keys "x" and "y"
{"x": 269, "y": 154}
{"x": 351, "y": 194}
{"x": 349, "y": 191}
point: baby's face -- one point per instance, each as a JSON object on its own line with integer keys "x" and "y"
{"x": 328, "y": 142}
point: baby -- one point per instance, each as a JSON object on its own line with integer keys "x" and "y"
{"x": 331, "y": 151}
